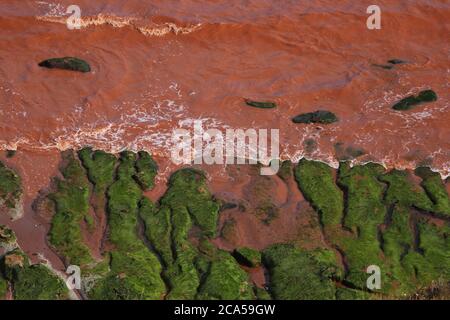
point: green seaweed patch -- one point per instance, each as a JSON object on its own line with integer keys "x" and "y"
{"x": 316, "y": 182}
{"x": 352, "y": 294}
{"x": 7, "y": 236}
{"x": 66, "y": 63}
{"x": 188, "y": 189}
{"x": 410, "y": 102}
{"x": 100, "y": 168}
{"x": 10, "y": 187}
{"x": 146, "y": 170}
{"x": 3, "y": 287}
{"x": 402, "y": 191}
{"x": 31, "y": 282}
{"x": 135, "y": 272}
{"x": 225, "y": 280}
{"x": 260, "y": 105}
{"x": 296, "y": 274}
{"x": 71, "y": 200}
{"x": 436, "y": 190}
{"x": 365, "y": 211}
{"x": 247, "y": 257}
{"x": 319, "y": 116}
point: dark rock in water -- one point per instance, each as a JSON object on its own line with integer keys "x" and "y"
{"x": 396, "y": 61}
{"x": 384, "y": 66}
{"x": 261, "y": 105}
{"x": 10, "y": 153}
{"x": 411, "y": 101}
{"x": 66, "y": 63}
{"x": 319, "y": 116}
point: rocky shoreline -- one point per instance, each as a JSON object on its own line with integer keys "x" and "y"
{"x": 129, "y": 247}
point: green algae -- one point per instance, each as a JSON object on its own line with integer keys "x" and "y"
{"x": 31, "y": 282}
{"x": 247, "y": 256}
{"x": 296, "y": 274}
{"x": 71, "y": 200}
{"x": 319, "y": 116}
{"x": 225, "y": 280}
{"x": 100, "y": 168}
{"x": 316, "y": 182}
{"x": 436, "y": 190}
{"x": 364, "y": 213}
{"x": 10, "y": 187}
{"x": 66, "y": 63}
{"x": 134, "y": 269}
{"x": 146, "y": 170}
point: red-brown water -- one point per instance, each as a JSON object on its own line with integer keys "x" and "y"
{"x": 157, "y": 65}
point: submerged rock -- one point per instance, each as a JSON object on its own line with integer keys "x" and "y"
{"x": 261, "y": 105}
{"x": 66, "y": 63}
{"x": 409, "y": 102}
{"x": 396, "y": 61}
{"x": 319, "y": 116}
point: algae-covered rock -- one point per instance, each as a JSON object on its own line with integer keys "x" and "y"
{"x": 8, "y": 239}
{"x": 32, "y": 282}
{"x": 146, "y": 170}
{"x": 225, "y": 280}
{"x": 247, "y": 256}
{"x": 316, "y": 182}
{"x": 10, "y": 192}
{"x": 66, "y": 63}
{"x": 296, "y": 274}
{"x": 260, "y": 105}
{"x": 436, "y": 190}
{"x": 319, "y": 116}
{"x": 409, "y": 102}
{"x": 71, "y": 200}
{"x": 135, "y": 272}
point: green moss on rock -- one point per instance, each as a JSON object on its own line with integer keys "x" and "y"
{"x": 319, "y": 116}
{"x": 66, "y": 63}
